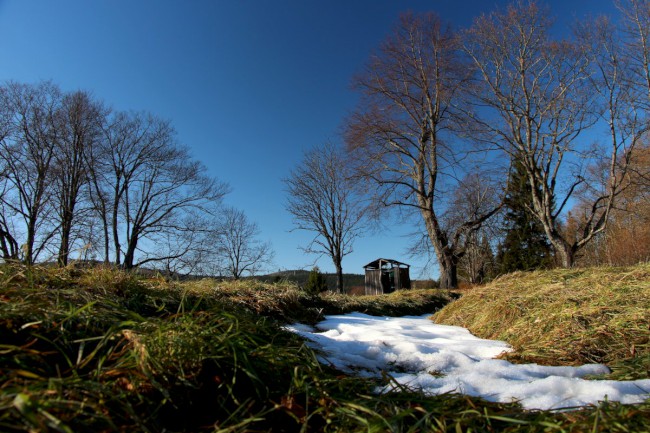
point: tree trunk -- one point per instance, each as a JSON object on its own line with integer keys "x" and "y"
{"x": 107, "y": 259}
{"x": 448, "y": 273}
{"x": 447, "y": 260}
{"x": 9, "y": 246}
{"x": 129, "y": 257}
{"x": 339, "y": 277}
{"x": 64, "y": 248}
{"x": 28, "y": 247}
{"x": 116, "y": 235}
{"x": 566, "y": 253}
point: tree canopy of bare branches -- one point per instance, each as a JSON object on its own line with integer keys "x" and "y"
{"x": 147, "y": 187}
{"x": 404, "y": 134}
{"x": 78, "y": 121}
{"x": 537, "y": 98}
{"x": 69, "y": 166}
{"x": 237, "y": 248}
{"x": 27, "y": 152}
{"x": 322, "y": 199}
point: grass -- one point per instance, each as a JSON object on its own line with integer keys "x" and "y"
{"x": 102, "y": 350}
{"x": 575, "y": 316}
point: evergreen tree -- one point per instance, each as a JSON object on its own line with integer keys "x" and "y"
{"x": 525, "y": 246}
{"x": 316, "y": 282}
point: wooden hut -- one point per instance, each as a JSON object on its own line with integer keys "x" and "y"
{"x": 386, "y": 276}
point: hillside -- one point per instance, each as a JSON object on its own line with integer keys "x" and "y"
{"x": 575, "y": 316}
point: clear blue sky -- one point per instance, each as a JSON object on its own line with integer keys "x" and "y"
{"x": 248, "y": 84}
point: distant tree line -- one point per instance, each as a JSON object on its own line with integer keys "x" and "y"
{"x": 515, "y": 147}
{"x": 79, "y": 180}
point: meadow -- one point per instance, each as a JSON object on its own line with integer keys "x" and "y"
{"x": 105, "y": 350}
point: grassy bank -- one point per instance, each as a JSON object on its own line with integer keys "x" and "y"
{"x": 102, "y": 350}
{"x": 564, "y": 316}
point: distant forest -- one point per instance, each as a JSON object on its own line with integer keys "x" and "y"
{"x": 300, "y": 277}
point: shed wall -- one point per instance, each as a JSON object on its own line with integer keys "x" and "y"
{"x": 373, "y": 282}
{"x": 404, "y": 279}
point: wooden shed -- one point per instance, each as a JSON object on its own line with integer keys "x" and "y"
{"x": 386, "y": 276}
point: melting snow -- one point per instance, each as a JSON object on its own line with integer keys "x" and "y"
{"x": 441, "y": 359}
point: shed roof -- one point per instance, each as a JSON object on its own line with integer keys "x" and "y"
{"x": 376, "y": 264}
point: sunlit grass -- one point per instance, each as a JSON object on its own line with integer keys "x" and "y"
{"x": 565, "y": 316}
{"x": 103, "y": 350}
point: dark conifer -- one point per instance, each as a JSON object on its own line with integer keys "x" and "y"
{"x": 316, "y": 282}
{"x": 525, "y": 246}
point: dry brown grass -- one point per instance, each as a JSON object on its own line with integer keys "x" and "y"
{"x": 562, "y": 316}
{"x": 285, "y": 301}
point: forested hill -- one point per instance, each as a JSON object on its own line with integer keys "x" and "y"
{"x": 300, "y": 277}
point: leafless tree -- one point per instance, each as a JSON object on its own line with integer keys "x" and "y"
{"x": 78, "y": 120}
{"x": 191, "y": 251}
{"x": 476, "y": 195}
{"x": 636, "y": 53}
{"x": 404, "y": 134}
{"x": 127, "y": 140}
{"x": 537, "y": 97}
{"x": 237, "y": 248}
{"x": 26, "y": 154}
{"x": 8, "y": 244}
{"x": 145, "y": 187}
{"x": 98, "y": 166}
{"x": 636, "y": 22}
{"x": 477, "y": 264}
{"x": 66, "y": 164}
{"x": 323, "y": 200}
{"x": 622, "y": 101}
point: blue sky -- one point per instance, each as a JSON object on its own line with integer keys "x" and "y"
{"x": 248, "y": 84}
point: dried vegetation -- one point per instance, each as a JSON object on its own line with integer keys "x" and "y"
{"x": 102, "y": 350}
{"x": 572, "y": 316}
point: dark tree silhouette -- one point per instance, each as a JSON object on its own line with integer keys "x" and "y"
{"x": 525, "y": 246}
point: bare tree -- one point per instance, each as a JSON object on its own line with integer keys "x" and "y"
{"x": 127, "y": 141}
{"x": 26, "y": 154}
{"x": 158, "y": 197}
{"x": 477, "y": 264}
{"x": 8, "y": 244}
{"x": 237, "y": 247}
{"x": 636, "y": 47}
{"x": 626, "y": 240}
{"x": 146, "y": 187}
{"x": 191, "y": 251}
{"x": 79, "y": 122}
{"x": 537, "y": 96}
{"x": 97, "y": 162}
{"x": 473, "y": 197}
{"x": 403, "y": 135}
{"x": 323, "y": 200}
{"x": 62, "y": 156}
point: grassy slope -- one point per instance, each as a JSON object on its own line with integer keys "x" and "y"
{"x": 99, "y": 350}
{"x": 565, "y": 316}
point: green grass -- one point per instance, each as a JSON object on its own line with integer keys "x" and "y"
{"x": 101, "y": 350}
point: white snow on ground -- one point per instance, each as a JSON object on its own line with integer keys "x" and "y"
{"x": 441, "y": 359}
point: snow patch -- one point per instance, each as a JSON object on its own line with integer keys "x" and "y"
{"x": 438, "y": 359}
